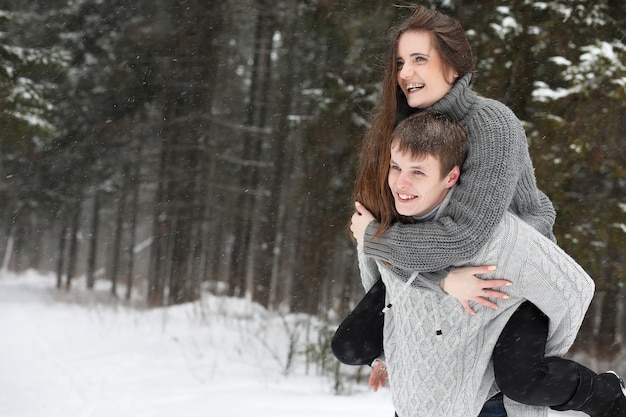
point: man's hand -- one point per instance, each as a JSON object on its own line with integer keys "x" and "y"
{"x": 360, "y": 220}
{"x": 463, "y": 285}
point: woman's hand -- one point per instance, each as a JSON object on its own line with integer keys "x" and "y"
{"x": 360, "y": 219}
{"x": 463, "y": 285}
{"x": 379, "y": 375}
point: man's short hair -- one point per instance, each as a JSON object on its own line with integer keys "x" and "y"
{"x": 433, "y": 134}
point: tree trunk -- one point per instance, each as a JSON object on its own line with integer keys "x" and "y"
{"x": 607, "y": 331}
{"x": 118, "y": 231}
{"x": 61, "y": 255}
{"x": 7, "y": 254}
{"x": 135, "y": 182}
{"x": 156, "y": 272}
{"x": 73, "y": 249}
{"x": 280, "y": 152}
{"x": 93, "y": 241}
{"x": 256, "y": 275}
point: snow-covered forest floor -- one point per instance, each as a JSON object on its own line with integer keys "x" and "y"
{"x": 78, "y": 354}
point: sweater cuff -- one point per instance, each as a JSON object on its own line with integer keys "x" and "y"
{"x": 433, "y": 280}
{"x": 373, "y": 246}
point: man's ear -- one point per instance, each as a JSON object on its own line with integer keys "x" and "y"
{"x": 453, "y": 176}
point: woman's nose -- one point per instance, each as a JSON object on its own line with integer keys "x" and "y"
{"x": 406, "y": 71}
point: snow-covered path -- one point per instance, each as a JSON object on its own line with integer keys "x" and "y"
{"x": 60, "y": 357}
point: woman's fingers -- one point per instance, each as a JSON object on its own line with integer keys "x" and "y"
{"x": 485, "y": 302}
{"x": 496, "y": 294}
{"x": 468, "y": 309}
{"x": 494, "y": 283}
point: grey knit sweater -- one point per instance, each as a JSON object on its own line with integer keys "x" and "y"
{"x": 497, "y": 176}
{"x": 452, "y": 374}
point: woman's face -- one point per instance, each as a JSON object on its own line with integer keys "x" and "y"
{"x": 421, "y": 73}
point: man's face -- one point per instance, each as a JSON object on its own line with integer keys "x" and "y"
{"x": 417, "y": 184}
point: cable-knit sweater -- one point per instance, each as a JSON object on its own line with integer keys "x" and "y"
{"x": 451, "y": 375}
{"x": 498, "y": 175}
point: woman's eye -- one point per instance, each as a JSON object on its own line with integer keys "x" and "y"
{"x": 399, "y": 65}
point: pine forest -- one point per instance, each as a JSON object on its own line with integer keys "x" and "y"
{"x": 176, "y": 147}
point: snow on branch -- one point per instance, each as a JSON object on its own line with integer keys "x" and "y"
{"x": 600, "y": 64}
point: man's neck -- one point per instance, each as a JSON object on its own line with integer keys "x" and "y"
{"x": 430, "y": 216}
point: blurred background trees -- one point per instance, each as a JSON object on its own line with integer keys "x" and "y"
{"x": 175, "y": 147}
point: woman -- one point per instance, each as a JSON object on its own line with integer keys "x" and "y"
{"x": 432, "y": 69}
{"x": 430, "y": 66}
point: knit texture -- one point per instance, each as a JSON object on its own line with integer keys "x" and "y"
{"x": 452, "y": 374}
{"x": 498, "y": 175}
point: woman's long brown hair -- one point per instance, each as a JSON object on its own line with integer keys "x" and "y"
{"x": 449, "y": 38}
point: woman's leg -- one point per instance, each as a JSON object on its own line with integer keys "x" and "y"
{"x": 524, "y": 374}
{"x": 522, "y": 371}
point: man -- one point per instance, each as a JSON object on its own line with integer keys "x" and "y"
{"x": 439, "y": 359}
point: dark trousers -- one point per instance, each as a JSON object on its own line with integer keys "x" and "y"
{"x": 494, "y": 407}
{"x": 522, "y": 370}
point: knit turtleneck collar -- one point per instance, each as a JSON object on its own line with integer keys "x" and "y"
{"x": 428, "y": 216}
{"x": 458, "y": 101}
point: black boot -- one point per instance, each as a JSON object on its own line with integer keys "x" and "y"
{"x": 601, "y": 395}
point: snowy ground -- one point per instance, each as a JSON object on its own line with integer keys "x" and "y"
{"x": 69, "y": 355}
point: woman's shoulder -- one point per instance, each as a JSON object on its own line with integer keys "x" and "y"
{"x": 486, "y": 107}
{"x": 490, "y": 115}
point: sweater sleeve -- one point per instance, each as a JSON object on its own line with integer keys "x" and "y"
{"x": 498, "y": 152}
{"x": 368, "y": 268}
